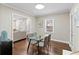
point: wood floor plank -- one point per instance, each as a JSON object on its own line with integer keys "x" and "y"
{"x": 56, "y": 48}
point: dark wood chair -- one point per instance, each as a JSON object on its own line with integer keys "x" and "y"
{"x": 41, "y": 44}
{"x": 45, "y": 45}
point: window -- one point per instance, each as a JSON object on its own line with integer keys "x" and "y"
{"x": 49, "y": 26}
{"x": 19, "y": 23}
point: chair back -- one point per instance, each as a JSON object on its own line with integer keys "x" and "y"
{"x": 49, "y": 37}
{"x": 47, "y": 40}
{"x": 4, "y": 36}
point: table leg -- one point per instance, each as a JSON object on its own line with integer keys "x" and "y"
{"x": 38, "y": 48}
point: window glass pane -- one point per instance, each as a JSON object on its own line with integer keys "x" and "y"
{"x": 49, "y": 26}
{"x": 19, "y": 23}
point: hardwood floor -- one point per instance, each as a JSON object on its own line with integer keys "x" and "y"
{"x": 20, "y": 48}
{"x": 56, "y": 48}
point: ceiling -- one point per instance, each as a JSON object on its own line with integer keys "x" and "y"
{"x": 50, "y": 8}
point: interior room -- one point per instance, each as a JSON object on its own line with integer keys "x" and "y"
{"x": 39, "y": 28}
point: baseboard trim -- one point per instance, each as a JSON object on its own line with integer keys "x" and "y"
{"x": 20, "y": 40}
{"x": 60, "y": 41}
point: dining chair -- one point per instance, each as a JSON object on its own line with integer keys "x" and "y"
{"x": 5, "y": 44}
{"x": 45, "y": 44}
{"x": 48, "y": 44}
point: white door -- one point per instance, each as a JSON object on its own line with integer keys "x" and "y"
{"x": 75, "y": 31}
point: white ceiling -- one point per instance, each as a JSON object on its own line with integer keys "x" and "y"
{"x": 50, "y": 8}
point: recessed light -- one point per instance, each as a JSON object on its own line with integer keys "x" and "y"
{"x": 39, "y": 6}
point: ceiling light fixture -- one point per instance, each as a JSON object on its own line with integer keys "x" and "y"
{"x": 39, "y": 6}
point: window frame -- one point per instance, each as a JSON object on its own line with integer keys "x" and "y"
{"x": 48, "y": 32}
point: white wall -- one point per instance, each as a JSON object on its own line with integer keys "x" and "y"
{"x": 31, "y": 27}
{"x": 6, "y": 14}
{"x": 5, "y": 20}
{"x": 30, "y": 20}
{"x": 19, "y": 35}
{"x": 74, "y": 42}
{"x": 61, "y": 26}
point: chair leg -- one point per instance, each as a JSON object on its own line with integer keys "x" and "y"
{"x": 28, "y": 46}
{"x": 48, "y": 49}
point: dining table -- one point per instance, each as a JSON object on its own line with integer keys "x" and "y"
{"x": 35, "y": 40}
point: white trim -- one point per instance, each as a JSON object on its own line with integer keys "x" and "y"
{"x": 70, "y": 32}
{"x": 60, "y": 41}
{"x": 18, "y": 9}
{"x": 70, "y": 44}
{"x": 53, "y": 20}
{"x": 66, "y": 52}
{"x": 13, "y": 13}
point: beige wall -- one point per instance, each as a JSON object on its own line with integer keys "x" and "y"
{"x": 61, "y": 26}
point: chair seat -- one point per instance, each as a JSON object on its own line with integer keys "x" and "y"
{"x": 41, "y": 44}
{"x": 33, "y": 41}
